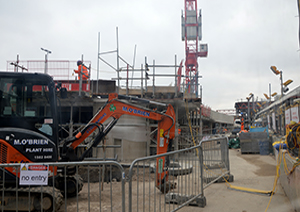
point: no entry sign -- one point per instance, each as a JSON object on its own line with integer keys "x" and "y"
{"x": 34, "y": 174}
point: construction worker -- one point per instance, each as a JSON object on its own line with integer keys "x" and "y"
{"x": 83, "y": 69}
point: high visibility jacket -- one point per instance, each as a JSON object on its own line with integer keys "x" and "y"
{"x": 84, "y": 72}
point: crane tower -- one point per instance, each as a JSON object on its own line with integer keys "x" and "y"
{"x": 191, "y": 30}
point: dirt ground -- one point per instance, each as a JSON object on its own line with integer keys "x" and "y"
{"x": 251, "y": 171}
{"x": 93, "y": 201}
{"x": 108, "y": 196}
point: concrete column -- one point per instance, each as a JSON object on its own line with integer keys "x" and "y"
{"x": 210, "y": 127}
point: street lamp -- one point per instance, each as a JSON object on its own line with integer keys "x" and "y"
{"x": 275, "y": 71}
{"x": 46, "y": 59}
{"x": 285, "y": 84}
{"x": 272, "y": 95}
{"x": 267, "y": 97}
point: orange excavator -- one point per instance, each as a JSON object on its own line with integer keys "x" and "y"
{"x": 113, "y": 109}
{"x": 29, "y": 126}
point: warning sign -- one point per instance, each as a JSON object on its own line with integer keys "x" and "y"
{"x": 34, "y": 174}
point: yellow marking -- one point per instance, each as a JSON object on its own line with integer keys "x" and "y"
{"x": 24, "y": 168}
{"x": 161, "y": 133}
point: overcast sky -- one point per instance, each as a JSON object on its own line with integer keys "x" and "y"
{"x": 244, "y": 39}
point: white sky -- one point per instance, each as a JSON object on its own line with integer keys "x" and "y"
{"x": 244, "y": 39}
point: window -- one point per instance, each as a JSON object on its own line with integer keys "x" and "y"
{"x": 26, "y": 102}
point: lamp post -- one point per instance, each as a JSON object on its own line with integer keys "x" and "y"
{"x": 275, "y": 71}
{"x": 283, "y": 86}
{"x": 286, "y": 83}
{"x": 46, "y": 59}
{"x": 284, "y": 89}
{"x": 270, "y": 98}
{"x": 248, "y": 115}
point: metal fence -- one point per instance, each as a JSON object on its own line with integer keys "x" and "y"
{"x": 103, "y": 187}
{"x": 185, "y": 171}
{"x": 216, "y": 167}
{"x": 90, "y": 177}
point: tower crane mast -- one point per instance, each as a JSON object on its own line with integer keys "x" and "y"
{"x": 191, "y": 34}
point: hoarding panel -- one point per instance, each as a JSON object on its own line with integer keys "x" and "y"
{"x": 288, "y": 116}
{"x": 295, "y": 114}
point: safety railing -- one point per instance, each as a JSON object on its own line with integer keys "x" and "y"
{"x": 86, "y": 177}
{"x": 185, "y": 183}
{"x": 191, "y": 171}
{"x": 216, "y": 167}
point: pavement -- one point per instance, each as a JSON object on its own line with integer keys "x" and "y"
{"x": 252, "y": 171}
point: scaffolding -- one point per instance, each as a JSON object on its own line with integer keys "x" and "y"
{"x": 60, "y": 70}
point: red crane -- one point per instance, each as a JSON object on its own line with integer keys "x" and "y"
{"x": 191, "y": 34}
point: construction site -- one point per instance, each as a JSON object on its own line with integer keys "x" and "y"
{"x": 79, "y": 106}
{"x": 86, "y": 95}
{"x": 70, "y": 140}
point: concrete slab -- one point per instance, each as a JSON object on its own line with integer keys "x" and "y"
{"x": 251, "y": 171}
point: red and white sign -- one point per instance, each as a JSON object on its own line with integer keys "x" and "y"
{"x": 33, "y": 174}
{"x": 295, "y": 114}
{"x": 37, "y": 167}
{"x": 75, "y": 86}
{"x": 288, "y": 116}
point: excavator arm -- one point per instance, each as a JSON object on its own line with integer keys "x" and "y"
{"x": 114, "y": 108}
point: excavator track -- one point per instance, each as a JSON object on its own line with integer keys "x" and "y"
{"x": 30, "y": 199}
{"x": 73, "y": 183}
{"x": 166, "y": 187}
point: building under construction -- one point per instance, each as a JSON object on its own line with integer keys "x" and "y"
{"x": 132, "y": 137}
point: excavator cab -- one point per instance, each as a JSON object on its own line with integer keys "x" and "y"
{"x": 28, "y": 134}
{"x": 28, "y": 114}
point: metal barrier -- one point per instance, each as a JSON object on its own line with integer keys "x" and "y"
{"x": 215, "y": 161}
{"x": 185, "y": 170}
{"x": 89, "y": 178}
{"x": 191, "y": 170}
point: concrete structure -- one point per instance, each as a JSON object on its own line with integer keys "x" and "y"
{"x": 275, "y": 116}
{"x": 132, "y": 137}
{"x": 290, "y": 182}
{"x": 279, "y": 113}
